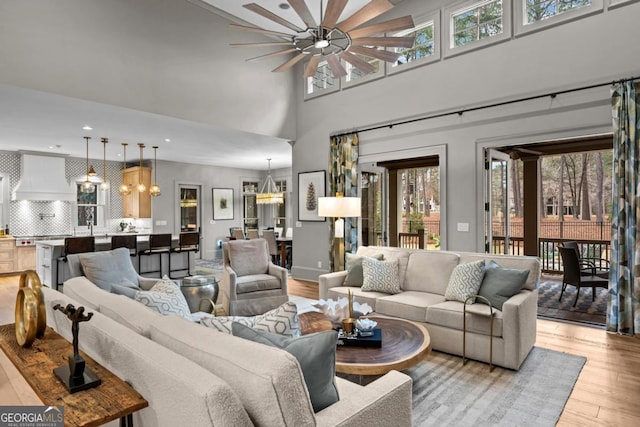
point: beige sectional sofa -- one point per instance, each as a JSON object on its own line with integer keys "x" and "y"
{"x": 424, "y": 277}
{"x": 197, "y": 376}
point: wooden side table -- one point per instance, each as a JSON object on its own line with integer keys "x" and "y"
{"x": 111, "y": 400}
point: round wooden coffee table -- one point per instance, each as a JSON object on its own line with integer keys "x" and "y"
{"x": 404, "y": 344}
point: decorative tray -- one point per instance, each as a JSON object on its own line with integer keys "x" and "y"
{"x": 361, "y": 339}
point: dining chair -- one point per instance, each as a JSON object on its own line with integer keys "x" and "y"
{"x": 270, "y": 237}
{"x": 238, "y": 234}
{"x": 573, "y": 275}
{"x": 278, "y": 231}
{"x": 253, "y": 233}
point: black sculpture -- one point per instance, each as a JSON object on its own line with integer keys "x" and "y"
{"x": 76, "y": 376}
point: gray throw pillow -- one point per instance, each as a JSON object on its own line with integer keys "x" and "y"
{"x": 107, "y": 268}
{"x": 354, "y": 269}
{"x": 500, "y": 284}
{"x": 125, "y": 288}
{"x": 316, "y": 354}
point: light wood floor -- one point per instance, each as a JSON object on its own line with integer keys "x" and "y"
{"x": 606, "y": 394}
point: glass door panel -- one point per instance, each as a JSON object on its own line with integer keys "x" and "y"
{"x": 189, "y": 208}
{"x": 497, "y": 239}
{"x": 373, "y": 228}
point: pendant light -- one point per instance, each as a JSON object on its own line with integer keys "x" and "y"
{"x": 105, "y": 184}
{"x": 155, "y": 188}
{"x": 141, "y": 187}
{"x": 269, "y": 194}
{"x": 87, "y": 186}
{"x": 125, "y": 190}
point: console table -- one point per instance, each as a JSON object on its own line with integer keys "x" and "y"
{"x": 111, "y": 400}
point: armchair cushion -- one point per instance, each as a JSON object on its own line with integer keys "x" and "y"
{"x": 316, "y": 354}
{"x": 257, "y": 282}
{"x": 107, "y": 268}
{"x": 249, "y": 256}
{"x": 282, "y": 320}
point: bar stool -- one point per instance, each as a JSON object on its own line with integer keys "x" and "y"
{"x": 129, "y": 241}
{"x": 74, "y": 245}
{"x": 158, "y": 244}
{"x": 188, "y": 242}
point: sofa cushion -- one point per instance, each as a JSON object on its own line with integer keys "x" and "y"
{"x": 449, "y": 314}
{"x": 129, "y": 313}
{"x": 282, "y": 320}
{"x": 465, "y": 281}
{"x": 248, "y": 256}
{"x": 256, "y": 282}
{"x": 267, "y": 380}
{"x": 411, "y": 305}
{"x": 106, "y": 268}
{"x": 316, "y": 354}
{"x": 429, "y": 271}
{"x": 354, "y": 269}
{"x": 500, "y": 284}
{"x": 380, "y": 276}
{"x": 389, "y": 254}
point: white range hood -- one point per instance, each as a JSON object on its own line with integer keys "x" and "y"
{"x": 42, "y": 177}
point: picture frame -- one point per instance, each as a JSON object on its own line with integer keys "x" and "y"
{"x": 222, "y": 203}
{"x": 311, "y": 185}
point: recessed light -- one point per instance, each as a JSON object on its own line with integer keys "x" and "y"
{"x": 167, "y": 140}
{"x": 87, "y": 127}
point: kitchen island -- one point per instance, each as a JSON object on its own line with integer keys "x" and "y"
{"x": 48, "y": 252}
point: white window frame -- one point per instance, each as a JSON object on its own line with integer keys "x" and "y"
{"x": 520, "y": 16}
{"x": 102, "y": 206}
{"x": 320, "y": 92}
{"x": 424, "y": 20}
{"x": 447, "y": 28}
{"x": 617, "y": 3}
{"x": 366, "y": 78}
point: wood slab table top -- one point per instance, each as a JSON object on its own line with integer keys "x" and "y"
{"x": 404, "y": 344}
{"x": 111, "y": 400}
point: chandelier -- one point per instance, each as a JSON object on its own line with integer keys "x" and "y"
{"x": 269, "y": 194}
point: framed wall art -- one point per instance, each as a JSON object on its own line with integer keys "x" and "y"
{"x": 222, "y": 203}
{"x": 311, "y": 185}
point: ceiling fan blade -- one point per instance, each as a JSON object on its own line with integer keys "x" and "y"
{"x": 312, "y": 66}
{"x": 272, "y": 16}
{"x": 384, "y": 41}
{"x": 333, "y": 12}
{"x": 357, "y": 62}
{"x": 258, "y": 30}
{"x": 290, "y": 63}
{"x": 336, "y": 67}
{"x": 268, "y": 55}
{"x": 260, "y": 44}
{"x": 398, "y": 24}
{"x": 383, "y": 55}
{"x": 367, "y": 13}
{"x": 303, "y": 12}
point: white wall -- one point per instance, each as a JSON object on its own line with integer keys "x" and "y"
{"x": 169, "y": 57}
{"x": 596, "y": 49}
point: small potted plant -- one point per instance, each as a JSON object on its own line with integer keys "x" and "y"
{"x": 122, "y": 225}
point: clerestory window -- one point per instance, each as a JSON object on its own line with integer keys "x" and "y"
{"x": 536, "y": 14}
{"x": 426, "y": 48}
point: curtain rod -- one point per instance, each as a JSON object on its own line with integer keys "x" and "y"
{"x": 483, "y": 107}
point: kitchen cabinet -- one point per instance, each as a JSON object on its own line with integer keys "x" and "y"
{"x": 7, "y": 255}
{"x": 26, "y": 258}
{"x": 136, "y": 204}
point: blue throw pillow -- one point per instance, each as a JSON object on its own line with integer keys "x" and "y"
{"x": 500, "y": 284}
{"x": 316, "y": 354}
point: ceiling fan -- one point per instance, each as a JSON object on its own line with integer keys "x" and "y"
{"x": 332, "y": 40}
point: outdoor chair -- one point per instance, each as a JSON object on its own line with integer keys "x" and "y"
{"x": 590, "y": 266}
{"x": 574, "y": 275}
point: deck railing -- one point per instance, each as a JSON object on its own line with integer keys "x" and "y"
{"x": 411, "y": 240}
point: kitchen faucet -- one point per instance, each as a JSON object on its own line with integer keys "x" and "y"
{"x": 90, "y": 223}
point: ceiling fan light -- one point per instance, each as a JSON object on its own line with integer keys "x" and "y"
{"x": 321, "y": 44}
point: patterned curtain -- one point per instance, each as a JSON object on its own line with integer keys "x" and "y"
{"x": 343, "y": 178}
{"x": 623, "y": 315}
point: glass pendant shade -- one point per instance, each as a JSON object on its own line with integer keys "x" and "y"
{"x": 155, "y": 188}
{"x": 141, "y": 187}
{"x": 87, "y": 186}
{"x": 124, "y": 189}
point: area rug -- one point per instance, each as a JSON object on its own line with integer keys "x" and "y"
{"x": 208, "y": 267}
{"x": 445, "y": 393}
{"x": 585, "y": 311}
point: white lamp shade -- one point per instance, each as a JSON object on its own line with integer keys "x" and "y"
{"x": 339, "y": 207}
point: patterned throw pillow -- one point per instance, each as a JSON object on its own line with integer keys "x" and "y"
{"x": 166, "y": 298}
{"x": 282, "y": 320}
{"x": 354, "y": 269}
{"x": 380, "y": 276}
{"x": 465, "y": 281}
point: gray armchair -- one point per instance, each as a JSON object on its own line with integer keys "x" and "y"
{"x": 251, "y": 284}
